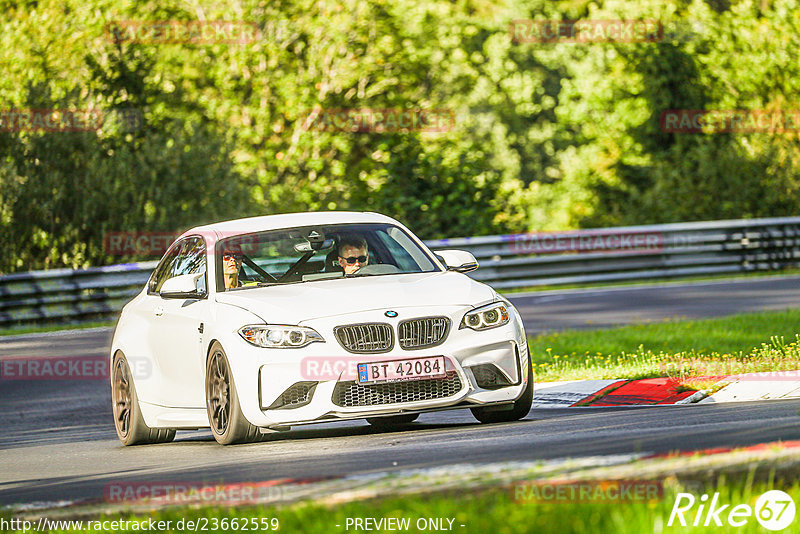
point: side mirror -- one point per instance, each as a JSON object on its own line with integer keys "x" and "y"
{"x": 457, "y": 260}
{"x": 182, "y": 287}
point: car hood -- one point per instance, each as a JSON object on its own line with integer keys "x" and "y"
{"x": 295, "y": 303}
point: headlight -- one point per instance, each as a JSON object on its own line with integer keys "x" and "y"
{"x": 486, "y": 317}
{"x": 279, "y": 336}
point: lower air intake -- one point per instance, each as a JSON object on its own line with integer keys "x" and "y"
{"x": 488, "y": 376}
{"x": 296, "y": 395}
{"x": 351, "y": 393}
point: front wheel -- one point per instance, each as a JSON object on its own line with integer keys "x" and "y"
{"x": 128, "y": 419}
{"x": 518, "y": 410}
{"x": 228, "y": 424}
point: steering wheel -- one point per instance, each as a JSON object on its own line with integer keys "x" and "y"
{"x": 377, "y": 268}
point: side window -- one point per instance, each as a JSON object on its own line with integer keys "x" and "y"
{"x": 407, "y": 254}
{"x": 164, "y": 269}
{"x": 192, "y": 260}
{"x": 186, "y": 257}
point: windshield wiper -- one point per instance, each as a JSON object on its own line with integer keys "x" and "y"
{"x": 267, "y": 284}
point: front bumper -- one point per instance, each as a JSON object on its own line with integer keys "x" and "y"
{"x": 318, "y": 383}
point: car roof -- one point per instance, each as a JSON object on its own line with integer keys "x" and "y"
{"x": 225, "y": 229}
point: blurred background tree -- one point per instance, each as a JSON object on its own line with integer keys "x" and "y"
{"x": 546, "y": 136}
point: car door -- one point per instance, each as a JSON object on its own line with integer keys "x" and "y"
{"x": 177, "y": 332}
{"x": 146, "y": 313}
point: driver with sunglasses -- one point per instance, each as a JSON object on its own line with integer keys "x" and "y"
{"x": 353, "y": 253}
{"x": 231, "y": 265}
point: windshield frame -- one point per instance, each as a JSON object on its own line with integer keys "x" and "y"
{"x": 340, "y": 228}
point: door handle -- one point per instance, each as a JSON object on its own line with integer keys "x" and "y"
{"x": 159, "y": 311}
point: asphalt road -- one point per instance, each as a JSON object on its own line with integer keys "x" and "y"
{"x": 57, "y": 438}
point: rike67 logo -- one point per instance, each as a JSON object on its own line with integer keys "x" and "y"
{"x": 774, "y": 510}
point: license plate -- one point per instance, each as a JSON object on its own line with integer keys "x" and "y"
{"x": 400, "y": 370}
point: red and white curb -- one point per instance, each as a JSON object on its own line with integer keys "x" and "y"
{"x": 561, "y": 394}
{"x": 667, "y": 390}
{"x": 757, "y": 386}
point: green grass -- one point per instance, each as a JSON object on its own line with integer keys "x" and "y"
{"x": 52, "y": 328}
{"x": 750, "y": 342}
{"x": 493, "y": 511}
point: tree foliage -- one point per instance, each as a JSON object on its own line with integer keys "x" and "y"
{"x": 546, "y": 135}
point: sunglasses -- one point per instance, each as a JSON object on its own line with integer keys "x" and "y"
{"x": 230, "y": 255}
{"x": 352, "y": 259}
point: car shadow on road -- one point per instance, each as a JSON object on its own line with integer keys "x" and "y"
{"x": 335, "y": 430}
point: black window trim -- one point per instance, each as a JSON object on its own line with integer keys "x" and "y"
{"x": 179, "y": 243}
{"x": 432, "y": 258}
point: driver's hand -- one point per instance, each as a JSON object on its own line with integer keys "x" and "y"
{"x": 351, "y": 269}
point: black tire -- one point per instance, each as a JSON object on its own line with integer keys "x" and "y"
{"x": 392, "y": 420}
{"x": 228, "y": 424}
{"x": 128, "y": 420}
{"x": 518, "y": 409}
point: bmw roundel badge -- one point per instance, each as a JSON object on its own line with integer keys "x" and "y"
{"x": 391, "y": 313}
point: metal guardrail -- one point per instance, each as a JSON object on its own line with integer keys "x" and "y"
{"x": 506, "y": 261}
{"x": 647, "y": 252}
{"x": 66, "y": 295}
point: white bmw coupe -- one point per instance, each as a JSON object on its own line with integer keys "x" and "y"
{"x": 260, "y": 324}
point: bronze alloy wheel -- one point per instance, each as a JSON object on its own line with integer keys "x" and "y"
{"x": 218, "y": 393}
{"x": 128, "y": 419}
{"x": 122, "y": 398}
{"x": 228, "y": 424}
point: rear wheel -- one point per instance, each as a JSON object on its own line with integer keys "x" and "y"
{"x": 228, "y": 424}
{"x": 128, "y": 420}
{"x": 393, "y": 420}
{"x": 517, "y": 410}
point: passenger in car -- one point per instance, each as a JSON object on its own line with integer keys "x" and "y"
{"x": 353, "y": 253}
{"x": 231, "y": 265}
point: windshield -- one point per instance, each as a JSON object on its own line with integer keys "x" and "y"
{"x": 311, "y": 253}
